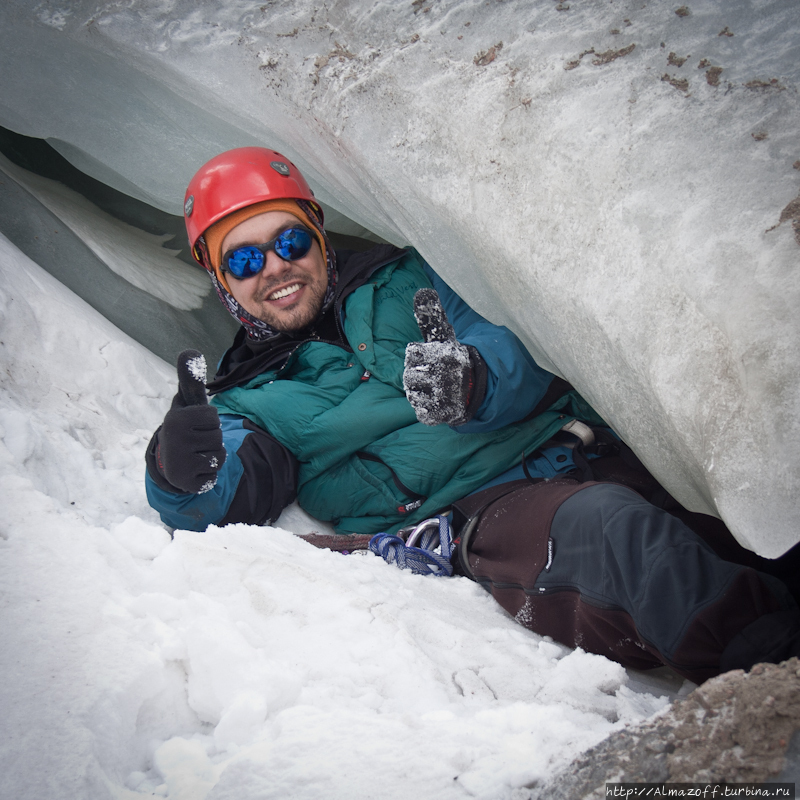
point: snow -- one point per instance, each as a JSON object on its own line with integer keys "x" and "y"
{"x": 197, "y": 368}
{"x": 240, "y": 662}
{"x": 619, "y": 207}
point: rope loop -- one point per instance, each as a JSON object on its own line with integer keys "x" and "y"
{"x": 418, "y": 551}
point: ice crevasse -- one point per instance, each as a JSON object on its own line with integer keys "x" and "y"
{"x": 617, "y": 182}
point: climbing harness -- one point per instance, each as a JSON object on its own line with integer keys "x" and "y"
{"x": 415, "y": 547}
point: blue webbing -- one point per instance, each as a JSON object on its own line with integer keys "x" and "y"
{"x": 422, "y": 558}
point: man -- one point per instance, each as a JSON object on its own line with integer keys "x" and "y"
{"x": 363, "y": 386}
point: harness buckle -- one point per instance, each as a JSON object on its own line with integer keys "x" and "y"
{"x": 581, "y": 430}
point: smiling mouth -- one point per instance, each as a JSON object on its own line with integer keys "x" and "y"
{"x": 285, "y": 292}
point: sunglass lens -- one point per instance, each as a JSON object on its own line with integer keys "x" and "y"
{"x": 244, "y": 262}
{"x": 293, "y": 244}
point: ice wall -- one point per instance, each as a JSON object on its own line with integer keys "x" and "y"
{"x": 131, "y": 276}
{"x": 616, "y": 181}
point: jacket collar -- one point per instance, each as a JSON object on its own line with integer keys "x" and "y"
{"x": 245, "y": 359}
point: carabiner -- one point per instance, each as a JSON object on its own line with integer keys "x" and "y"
{"x": 415, "y": 534}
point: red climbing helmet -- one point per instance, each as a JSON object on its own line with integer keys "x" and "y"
{"x": 238, "y": 178}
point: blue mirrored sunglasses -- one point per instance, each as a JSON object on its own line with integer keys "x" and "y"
{"x": 249, "y": 260}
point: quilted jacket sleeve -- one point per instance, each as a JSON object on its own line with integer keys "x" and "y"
{"x": 257, "y": 481}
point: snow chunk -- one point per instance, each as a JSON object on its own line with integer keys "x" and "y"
{"x": 197, "y": 368}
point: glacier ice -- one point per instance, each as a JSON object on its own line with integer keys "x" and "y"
{"x": 614, "y": 181}
{"x": 131, "y": 253}
{"x": 128, "y": 274}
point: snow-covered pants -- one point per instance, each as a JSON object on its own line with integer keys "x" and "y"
{"x": 596, "y": 566}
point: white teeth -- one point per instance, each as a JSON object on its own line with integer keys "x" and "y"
{"x": 283, "y": 292}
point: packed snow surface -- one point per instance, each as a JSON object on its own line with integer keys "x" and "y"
{"x": 240, "y": 662}
{"x": 616, "y": 181}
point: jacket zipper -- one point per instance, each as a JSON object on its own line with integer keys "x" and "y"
{"x": 345, "y": 347}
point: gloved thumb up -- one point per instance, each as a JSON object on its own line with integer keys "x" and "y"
{"x": 431, "y": 317}
{"x": 444, "y": 380}
{"x": 189, "y": 450}
{"x": 192, "y": 372}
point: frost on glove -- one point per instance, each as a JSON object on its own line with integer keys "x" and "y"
{"x": 444, "y": 381}
{"x": 186, "y": 452}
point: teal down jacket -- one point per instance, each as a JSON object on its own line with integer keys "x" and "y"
{"x": 365, "y": 463}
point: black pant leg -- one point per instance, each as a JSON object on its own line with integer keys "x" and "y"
{"x": 686, "y": 605}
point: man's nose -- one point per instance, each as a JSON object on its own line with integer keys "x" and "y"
{"x": 274, "y": 265}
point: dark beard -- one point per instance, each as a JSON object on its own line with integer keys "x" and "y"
{"x": 301, "y": 319}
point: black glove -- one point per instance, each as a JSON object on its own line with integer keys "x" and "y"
{"x": 444, "y": 381}
{"x": 186, "y": 452}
